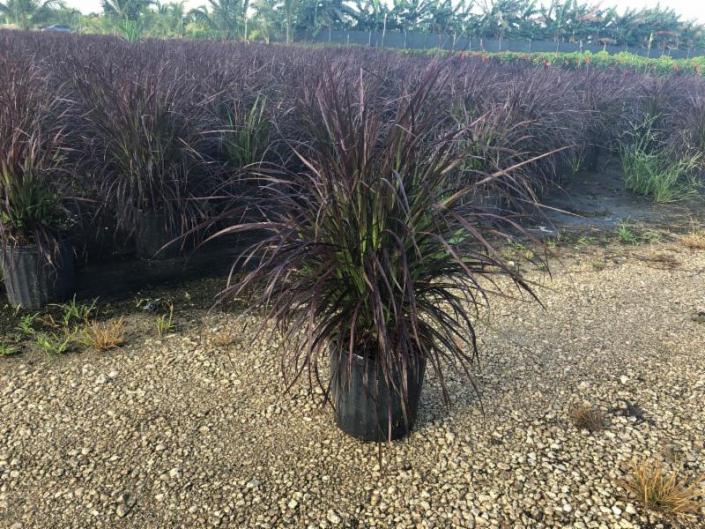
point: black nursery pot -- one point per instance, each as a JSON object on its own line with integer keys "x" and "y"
{"x": 373, "y": 411}
{"x": 154, "y": 231}
{"x": 592, "y": 157}
{"x": 32, "y": 281}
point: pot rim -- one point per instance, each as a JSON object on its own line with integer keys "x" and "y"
{"x": 33, "y": 247}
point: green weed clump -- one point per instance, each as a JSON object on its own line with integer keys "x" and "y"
{"x": 655, "y": 176}
{"x": 650, "y": 170}
{"x": 626, "y": 234}
{"x": 164, "y": 322}
{"x": 8, "y": 350}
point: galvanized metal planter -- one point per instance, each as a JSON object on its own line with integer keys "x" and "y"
{"x": 32, "y": 281}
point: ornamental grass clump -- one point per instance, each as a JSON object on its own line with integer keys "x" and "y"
{"x": 32, "y": 180}
{"x": 370, "y": 255}
{"x": 36, "y": 258}
{"x": 142, "y": 124}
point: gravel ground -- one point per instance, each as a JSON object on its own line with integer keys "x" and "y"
{"x": 180, "y": 432}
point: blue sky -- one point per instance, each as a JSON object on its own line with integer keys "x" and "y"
{"x": 689, "y": 9}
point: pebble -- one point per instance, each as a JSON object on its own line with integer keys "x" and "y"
{"x": 333, "y": 517}
{"x": 172, "y": 444}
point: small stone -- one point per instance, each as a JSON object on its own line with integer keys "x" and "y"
{"x": 293, "y": 504}
{"x": 333, "y": 517}
{"x": 121, "y": 511}
{"x": 567, "y": 507}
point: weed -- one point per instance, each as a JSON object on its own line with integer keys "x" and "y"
{"x": 661, "y": 260}
{"x": 598, "y": 266}
{"x": 105, "y": 335}
{"x": 54, "y": 344}
{"x": 662, "y": 490}
{"x": 26, "y": 324}
{"x": 222, "y": 337}
{"x": 246, "y": 138}
{"x": 626, "y": 235}
{"x": 8, "y": 350}
{"x": 586, "y": 417}
{"x": 577, "y": 163}
{"x": 523, "y": 250}
{"x": 73, "y": 312}
{"x": 652, "y": 172}
{"x": 584, "y": 241}
{"x": 165, "y": 322}
{"x": 695, "y": 240}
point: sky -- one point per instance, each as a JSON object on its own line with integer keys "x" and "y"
{"x": 689, "y": 9}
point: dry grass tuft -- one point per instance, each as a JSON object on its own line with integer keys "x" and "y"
{"x": 105, "y": 335}
{"x": 662, "y": 490}
{"x": 661, "y": 260}
{"x": 694, "y": 240}
{"x": 586, "y": 417}
{"x": 222, "y": 337}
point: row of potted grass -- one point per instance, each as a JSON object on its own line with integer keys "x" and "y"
{"x": 149, "y": 141}
{"x": 379, "y": 185}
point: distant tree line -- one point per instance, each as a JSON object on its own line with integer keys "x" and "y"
{"x": 280, "y": 20}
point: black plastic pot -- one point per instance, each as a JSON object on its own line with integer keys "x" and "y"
{"x": 153, "y": 232}
{"x": 592, "y": 157}
{"x": 368, "y": 408}
{"x": 32, "y": 281}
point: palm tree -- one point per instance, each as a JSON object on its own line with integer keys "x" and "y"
{"x": 26, "y": 14}
{"x": 226, "y": 18}
{"x": 125, "y": 9}
{"x": 126, "y": 17}
{"x": 290, "y": 8}
{"x": 268, "y": 19}
{"x": 168, "y": 19}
